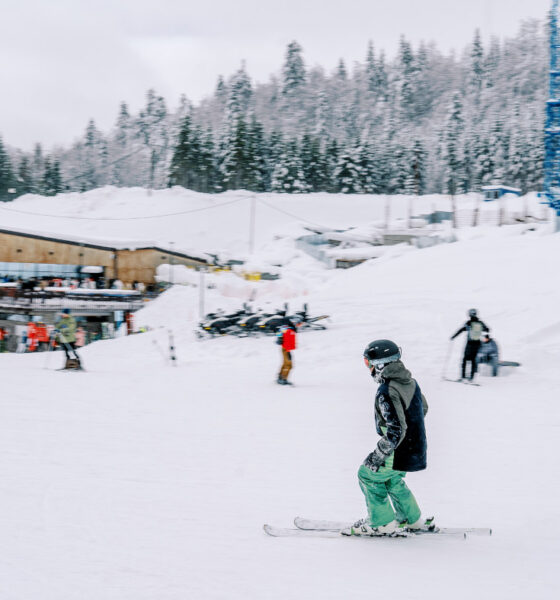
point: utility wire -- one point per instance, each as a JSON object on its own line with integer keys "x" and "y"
{"x": 289, "y": 214}
{"x": 183, "y": 212}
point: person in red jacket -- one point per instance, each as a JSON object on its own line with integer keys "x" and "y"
{"x": 286, "y": 337}
{"x": 42, "y": 336}
{"x": 32, "y": 341}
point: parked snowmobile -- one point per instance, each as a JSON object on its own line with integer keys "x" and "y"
{"x": 222, "y": 324}
{"x": 271, "y": 323}
{"x": 311, "y": 323}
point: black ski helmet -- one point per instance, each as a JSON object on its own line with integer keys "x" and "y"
{"x": 473, "y": 312}
{"x": 380, "y": 352}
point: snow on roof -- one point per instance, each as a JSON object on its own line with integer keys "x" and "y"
{"x": 500, "y": 187}
{"x": 122, "y": 244}
{"x": 356, "y": 253}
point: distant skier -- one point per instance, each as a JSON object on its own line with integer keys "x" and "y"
{"x": 286, "y": 337}
{"x": 474, "y": 328}
{"x": 66, "y": 336}
{"x": 400, "y": 408}
{"x": 488, "y": 353}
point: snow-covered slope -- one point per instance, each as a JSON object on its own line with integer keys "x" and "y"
{"x": 196, "y": 223}
{"x": 137, "y": 480}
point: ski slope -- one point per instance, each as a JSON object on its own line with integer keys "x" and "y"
{"x": 137, "y": 480}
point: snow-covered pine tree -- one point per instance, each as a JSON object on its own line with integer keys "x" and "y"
{"x": 498, "y": 144}
{"x": 152, "y": 128}
{"x": 518, "y": 158}
{"x": 492, "y": 62}
{"x": 347, "y": 173}
{"x": 372, "y": 81}
{"x": 288, "y": 174}
{"x": 37, "y": 168}
{"x": 121, "y": 146}
{"x": 483, "y": 160}
{"x": 417, "y": 168}
{"x": 234, "y": 161}
{"x": 88, "y": 171}
{"x": 240, "y": 94}
{"x": 452, "y": 146}
{"x": 123, "y": 128}
{"x": 221, "y": 91}
{"x": 52, "y": 178}
{"x": 382, "y": 78}
{"x": 7, "y": 180}
{"x": 256, "y": 157}
{"x": 341, "y": 70}
{"x": 477, "y": 67}
{"x": 183, "y": 167}
{"x": 366, "y": 163}
{"x": 206, "y": 164}
{"x": 293, "y": 71}
{"x": 25, "y": 183}
{"x": 332, "y": 152}
{"x": 407, "y": 80}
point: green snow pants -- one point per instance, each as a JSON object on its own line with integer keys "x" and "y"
{"x": 384, "y": 487}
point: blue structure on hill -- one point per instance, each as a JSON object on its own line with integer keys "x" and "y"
{"x": 552, "y": 127}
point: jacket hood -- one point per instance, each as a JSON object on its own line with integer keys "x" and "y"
{"x": 397, "y": 372}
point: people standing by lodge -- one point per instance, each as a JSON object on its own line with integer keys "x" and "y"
{"x": 474, "y": 328}
{"x": 22, "y": 342}
{"x": 32, "y": 341}
{"x": 43, "y": 337}
{"x": 3, "y": 339}
{"x": 139, "y": 286}
{"x": 80, "y": 337}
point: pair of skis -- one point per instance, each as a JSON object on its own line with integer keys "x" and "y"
{"x": 332, "y": 529}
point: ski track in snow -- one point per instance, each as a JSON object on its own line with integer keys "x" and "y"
{"x": 137, "y": 480}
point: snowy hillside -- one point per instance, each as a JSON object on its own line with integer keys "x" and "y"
{"x": 137, "y": 480}
{"x": 192, "y": 222}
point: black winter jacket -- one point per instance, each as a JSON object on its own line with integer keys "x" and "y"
{"x": 400, "y": 408}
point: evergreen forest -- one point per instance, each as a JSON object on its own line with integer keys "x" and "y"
{"x": 420, "y": 122}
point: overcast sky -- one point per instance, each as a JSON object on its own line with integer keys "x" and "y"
{"x": 63, "y": 62}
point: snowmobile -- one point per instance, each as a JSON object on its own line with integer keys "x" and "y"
{"x": 270, "y": 324}
{"x": 221, "y": 324}
{"x": 308, "y": 322}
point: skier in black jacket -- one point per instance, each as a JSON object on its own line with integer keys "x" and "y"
{"x": 400, "y": 408}
{"x": 474, "y": 328}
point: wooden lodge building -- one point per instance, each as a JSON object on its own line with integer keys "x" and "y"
{"x": 25, "y": 255}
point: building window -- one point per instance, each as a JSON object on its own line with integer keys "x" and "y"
{"x": 27, "y": 270}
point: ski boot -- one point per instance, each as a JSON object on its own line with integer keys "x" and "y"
{"x": 420, "y": 525}
{"x": 363, "y": 528}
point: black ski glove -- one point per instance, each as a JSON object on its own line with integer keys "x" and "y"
{"x": 378, "y": 457}
{"x": 374, "y": 460}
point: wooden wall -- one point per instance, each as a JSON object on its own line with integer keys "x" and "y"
{"x": 141, "y": 265}
{"x": 23, "y": 249}
{"x": 126, "y": 265}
